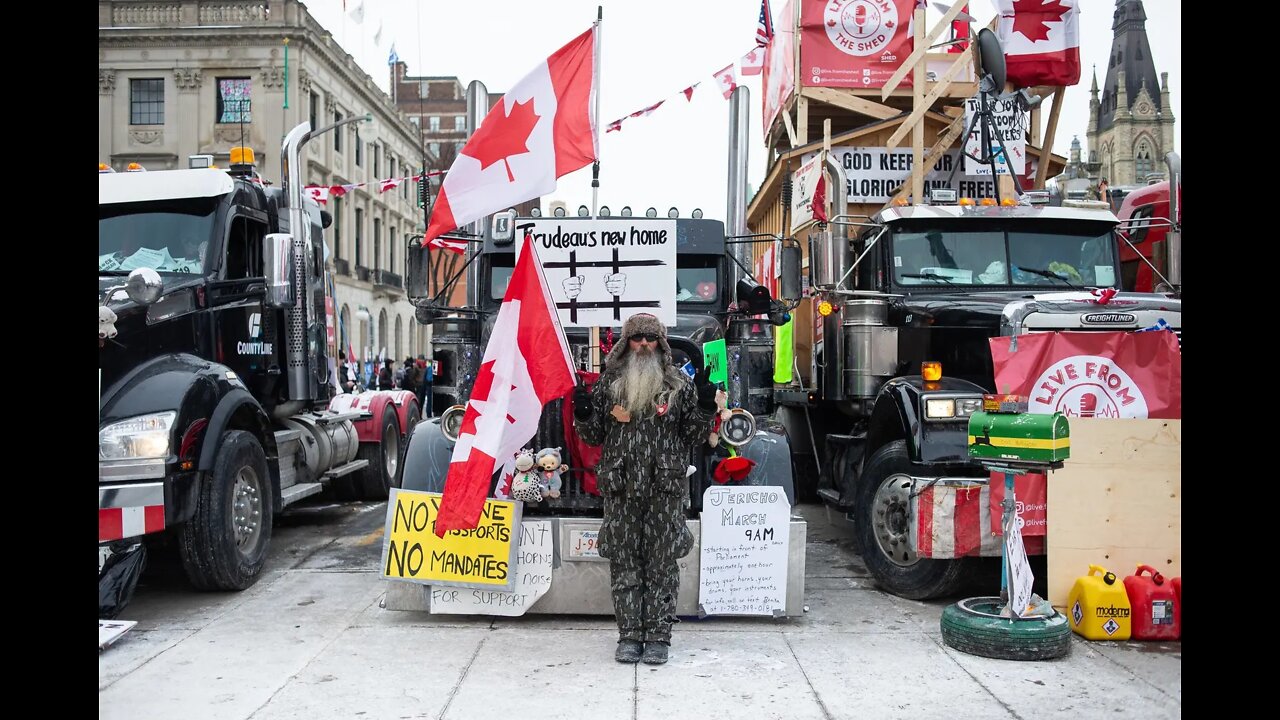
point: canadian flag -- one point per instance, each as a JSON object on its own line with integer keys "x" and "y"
{"x": 753, "y": 62}
{"x": 445, "y": 242}
{"x": 390, "y": 183}
{"x": 318, "y": 193}
{"x": 523, "y": 369}
{"x": 543, "y": 129}
{"x": 726, "y": 80}
{"x": 1041, "y": 41}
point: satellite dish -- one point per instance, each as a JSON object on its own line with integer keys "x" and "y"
{"x": 991, "y": 56}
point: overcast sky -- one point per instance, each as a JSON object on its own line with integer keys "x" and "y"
{"x": 651, "y": 50}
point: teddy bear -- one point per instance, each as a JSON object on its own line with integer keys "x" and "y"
{"x": 722, "y": 414}
{"x": 524, "y": 485}
{"x": 550, "y": 466}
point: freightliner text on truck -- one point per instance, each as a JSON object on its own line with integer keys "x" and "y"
{"x": 217, "y": 404}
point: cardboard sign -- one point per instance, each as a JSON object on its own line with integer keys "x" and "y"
{"x": 743, "y": 569}
{"x": 532, "y": 580}
{"x": 1009, "y": 122}
{"x": 601, "y": 272}
{"x": 804, "y": 182}
{"x": 715, "y": 357}
{"x": 482, "y": 557}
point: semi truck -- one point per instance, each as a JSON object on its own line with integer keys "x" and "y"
{"x": 217, "y": 403}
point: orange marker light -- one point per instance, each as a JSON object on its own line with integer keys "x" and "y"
{"x": 241, "y": 156}
{"x": 931, "y": 370}
{"x": 1008, "y": 202}
{"x": 966, "y": 201}
{"x": 899, "y": 202}
{"x": 135, "y": 167}
{"x": 825, "y": 308}
{"x": 988, "y": 202}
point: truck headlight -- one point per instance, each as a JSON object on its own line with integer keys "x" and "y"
{"x": 951, "y": 407}
{"x": 144, "y": 436}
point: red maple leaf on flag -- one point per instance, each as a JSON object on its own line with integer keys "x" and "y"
{"x": 1032, "y": 18}
{"x": 506, "y": 136}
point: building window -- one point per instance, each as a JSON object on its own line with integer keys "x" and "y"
{"x": 314, "y": 114}
{"x": 392, "y": 239}
{"x": 359, "y": 238}
{"x": 433, "y": 123}
{"x": 377, "y": 243}
{"x": 377, "y": 160}
{"x": 391, "y": 169}
{"x": 359, "y": 150}
{"x": 460, "y": 123}
{"x": 146, "y": 101}
{"x": 234, "y": 95}
{"x": 417, "y": 122}
{"x": 1142, "y": 163}
{"x": 337, "y": 136}
{"x": 337, "y": 228}
{"x": 435, "y": 149}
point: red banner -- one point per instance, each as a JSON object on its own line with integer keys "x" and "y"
{"x": 854, "y": 43}
{"x": 1030, "y": 494}
{"x": 1093, "y": 374}
{"x": 778, "y": 82}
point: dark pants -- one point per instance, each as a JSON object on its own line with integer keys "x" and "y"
{"x": 644, "y": 537}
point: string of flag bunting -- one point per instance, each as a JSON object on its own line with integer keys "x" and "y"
{"x": 322, "y": 193}
{"x": 726, "y": 80}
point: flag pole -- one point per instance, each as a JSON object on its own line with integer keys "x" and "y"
{"x": 595, "y": 169}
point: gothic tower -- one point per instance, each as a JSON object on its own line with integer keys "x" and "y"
{"x": 1131, "y": 125}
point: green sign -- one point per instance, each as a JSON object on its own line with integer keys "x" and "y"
{"x": 716, "y": 359}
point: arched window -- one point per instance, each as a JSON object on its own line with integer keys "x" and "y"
{"x": 383, "y": 345}
{"x": 413, "y": 338}
{"x": 1142, "y": 161}
{"x": 344, "y": 331}
{"x": 400, "y": 354}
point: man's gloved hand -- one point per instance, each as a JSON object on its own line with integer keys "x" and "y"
{"x": 582, "y": 401}
{"x": 706, "y": 390}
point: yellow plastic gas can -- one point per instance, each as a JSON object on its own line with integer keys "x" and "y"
{"x": 1098, "y": 606}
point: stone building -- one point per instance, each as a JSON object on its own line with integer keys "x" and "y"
{"x": 185, "y": 77}
{"x": 1131, "y": 124}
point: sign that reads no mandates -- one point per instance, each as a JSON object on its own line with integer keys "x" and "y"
{"x": 481, "y": 557}
{"x": 601, "y": 272}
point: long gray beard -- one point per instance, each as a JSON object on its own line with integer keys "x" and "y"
{"x": 640, "y": 380}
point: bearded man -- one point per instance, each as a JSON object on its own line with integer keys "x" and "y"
{"x": 649, "y": 417}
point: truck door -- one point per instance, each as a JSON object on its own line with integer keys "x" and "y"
{"x": 246, "y": 334}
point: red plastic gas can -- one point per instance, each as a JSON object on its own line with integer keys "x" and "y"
{"x": 1177, "y": 594}
{"x": 1157, "y": 611}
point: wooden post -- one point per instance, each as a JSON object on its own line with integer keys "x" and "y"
{"x": 1046, "y": 148}
{"x": 595, "y": 349}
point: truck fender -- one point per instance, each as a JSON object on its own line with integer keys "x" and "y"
{"x": 771, "y": 451}
{"x": 376, "y": 402}
{"x": 898, "y": 416}
{"x": 238, "y": 410}
{"x": 426, "y": 457}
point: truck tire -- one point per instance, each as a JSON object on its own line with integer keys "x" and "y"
{"x": 974, "y": 626}
{"x": 883, "y": 501}
{"x": 383, "y": 472}
{"x": 224, "y": 546}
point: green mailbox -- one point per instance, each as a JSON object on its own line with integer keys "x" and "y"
{"x": 1025, "y": 437}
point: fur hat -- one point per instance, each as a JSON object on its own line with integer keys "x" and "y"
{"x": 640, "y": 324}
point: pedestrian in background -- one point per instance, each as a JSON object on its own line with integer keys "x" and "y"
{"x": 649, "y": 417}
{"x": 386, "y": 376}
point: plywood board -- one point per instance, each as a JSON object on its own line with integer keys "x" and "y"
{"x": 1116, "y": 503}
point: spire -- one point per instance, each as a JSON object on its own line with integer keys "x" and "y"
{"x": 1093, "y": 90}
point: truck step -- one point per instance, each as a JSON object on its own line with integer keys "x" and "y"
{"x": 294, "y": 493}
{"x": 832, "y": 498}
{"x": 347, "y": 469}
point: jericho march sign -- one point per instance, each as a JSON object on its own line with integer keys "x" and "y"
{"x": 602, "y": 272}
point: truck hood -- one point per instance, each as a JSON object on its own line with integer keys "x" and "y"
{"x": 1125, "y": 311}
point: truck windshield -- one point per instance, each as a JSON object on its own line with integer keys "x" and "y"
{"x": 1067, "y": 253}
{"x": 170, "y": 236}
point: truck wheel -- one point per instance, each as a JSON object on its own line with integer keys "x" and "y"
{"x": 974, "y": 626}
{"x": 383, "y": 471}
{"x": 224, "y": 546}
{"x": 883, "y": 504}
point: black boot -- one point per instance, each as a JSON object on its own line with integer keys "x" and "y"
{"x": 629, "y": 651}
{"x": 655, "y": 653}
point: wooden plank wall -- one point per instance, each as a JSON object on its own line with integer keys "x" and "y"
{"x": 1117, "y": 502}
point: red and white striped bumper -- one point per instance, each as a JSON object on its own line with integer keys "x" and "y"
{"x": 126, "y": 511}
{"x": 952, "y": 519}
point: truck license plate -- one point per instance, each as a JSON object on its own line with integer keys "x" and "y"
{"x": 582, "y": 543}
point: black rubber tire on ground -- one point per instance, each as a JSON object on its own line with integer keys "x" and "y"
{"x": 974, "y": 626}
{"x": 224, "y": 546}
{"x": 882, "y": 517}
{"x": 383, "y": 472}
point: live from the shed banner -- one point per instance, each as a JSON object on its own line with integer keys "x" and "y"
{"x": 601, "y": 273}
{"x": 481, "y": 557}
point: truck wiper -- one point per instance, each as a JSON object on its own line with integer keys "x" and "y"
{"x": 1050, "y": 275}
{"x": 928, "y": 276}
{"x": 113, "y": 273}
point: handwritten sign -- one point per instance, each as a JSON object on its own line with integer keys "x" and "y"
{"x": 745, "y": 531}
{"x": 1020, "y": 578}
{"x": 1009, "y": 121}
{"x": 715, "y": 358}
{"x": 482, "y": 557}
{"x": 532, "y": 580}
{"x": 601, "y": 272}
{"x": 804, "y": 182}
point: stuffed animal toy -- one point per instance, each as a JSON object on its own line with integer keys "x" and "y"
{"x": 524, "y": 486}
{"x": 722, "y": 414}
{"x": 549, "y": 468}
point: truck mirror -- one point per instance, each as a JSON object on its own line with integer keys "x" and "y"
{"x": 791, "y": 286}
{"x": 326, "y": 219}
{"x": 144, "y": 286}
{"x": 415, "y": 277}
{"x": 753, "y": 298}
{"x": 278, "y": 260}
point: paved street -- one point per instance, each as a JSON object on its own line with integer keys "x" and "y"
{"x": 310, "y": 641}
